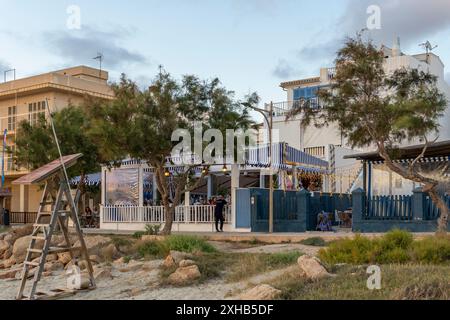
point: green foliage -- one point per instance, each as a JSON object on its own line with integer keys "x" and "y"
{"x": 121, "y": 242}
{"x": 152, "y": 229}
{"x": 36, "y": 146}
{"x": 279, "y": 259}
{"x": 161, "y": 249}
{"x": 394, "y": 247}
{"x": 188, "y": 244}
{"x": 314, "y": 241}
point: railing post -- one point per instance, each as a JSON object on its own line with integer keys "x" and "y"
{"x": 419, "y": 204}
{"x": 359, "y": 207}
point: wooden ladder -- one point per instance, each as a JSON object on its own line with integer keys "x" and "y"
{"x": 47, "y": 222}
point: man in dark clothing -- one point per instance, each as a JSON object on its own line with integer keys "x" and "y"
{"x": 218, "y": 213}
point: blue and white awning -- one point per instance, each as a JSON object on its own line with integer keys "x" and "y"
{"x": 93, "y": 179}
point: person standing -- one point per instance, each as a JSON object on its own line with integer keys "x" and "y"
{"x": 218, "y": 213}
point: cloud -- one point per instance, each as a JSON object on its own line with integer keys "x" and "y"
{"x": 411, "y": 20}
{"x": 81, "y": 46}
{"x": 284, "y": 70}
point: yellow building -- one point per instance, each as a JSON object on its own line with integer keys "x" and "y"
{"x": 24, "y": 99}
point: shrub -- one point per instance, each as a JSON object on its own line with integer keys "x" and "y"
{"x": 152, "y": 229}
{"x": 281, "y": 258}
{"x": 394, "y": 247}
{"x": 188, "y": 244}
{"x": 154, "y": 249}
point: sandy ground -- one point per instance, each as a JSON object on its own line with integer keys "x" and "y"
{"x": 143, "y": 285}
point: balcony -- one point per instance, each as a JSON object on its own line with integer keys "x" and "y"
{"x": 281, "y": 109}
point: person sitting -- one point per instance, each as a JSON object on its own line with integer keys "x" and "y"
{"x": 324, "y": 222}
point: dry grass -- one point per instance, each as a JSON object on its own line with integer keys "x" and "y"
{"x": 399, "y": 282}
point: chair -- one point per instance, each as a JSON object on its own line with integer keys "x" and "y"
{"x": 337, "y": 218}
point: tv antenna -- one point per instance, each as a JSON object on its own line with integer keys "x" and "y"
{"x": 99, "y": 57}
{"x": 428, "y": 48}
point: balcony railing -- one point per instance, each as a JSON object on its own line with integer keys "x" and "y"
{"x": 156, "y": 214}
{"x": 281, "y": 109}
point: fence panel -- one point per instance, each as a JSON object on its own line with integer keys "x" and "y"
{"x": 390, "y": 208}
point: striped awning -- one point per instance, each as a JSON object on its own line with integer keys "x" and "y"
{"x": 284, "y": 157}
{"x": 93, "y": 179}
{"x": 422, "y": 160}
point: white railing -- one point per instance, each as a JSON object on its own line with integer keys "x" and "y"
{"x": 282, "y": 108}
{"x": 156, "y": 215}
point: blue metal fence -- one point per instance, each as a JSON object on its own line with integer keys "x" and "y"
{"x": 431, "y": 211}
{"x": 390, "y": 208}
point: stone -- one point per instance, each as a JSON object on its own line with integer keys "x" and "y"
{"x": 17, "y": 233}
{"x": 103, "y": 274}
{"x": 169, "y": 262}
{"x": 184, "y": 275}
{"x": 20, "y": 248}
{"x": 151, "y": 265}
{"x": 119, "y": 261}
{"x": 94, "y": 243}
{"x": 64, "y": 257}
{"x": 95, "y": 259}
{"x": 8, "y": 253}
{"x": 312, "y": 268}
{"x": 136, "y": 291}
{"x": 10, "y": 274}
{"x": 132, "y": 266}
{"x": 4, "y": 245}
{"x": 46, "y": 274}
{"x": 186, "y": 263}
{"x": 109, "y": 253}
{"x": 9, "y": 263}
{"x": 179, "y": 256}
{"x": 261, "y": 292}
{"x": 52, "y": 257}
{"x": 54, "y": 266}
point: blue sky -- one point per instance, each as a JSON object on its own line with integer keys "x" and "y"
{"x": 251, "y": 45}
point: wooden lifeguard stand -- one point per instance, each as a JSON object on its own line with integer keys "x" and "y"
{"x": 56, "y": 208}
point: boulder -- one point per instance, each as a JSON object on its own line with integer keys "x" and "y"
{"x": 103, "y": 274}
{"x": 94, "y": 243}
{"x": 17, "y": 233}
{"x": 8, "y": 253}
{"x": 169, "y": 262}
{"x": 9, "y": 263}
{"x": 186, "y": 263}
{"x": 261, "y": 292}
{"x": 184, "y": 275}
{"x": 4, "y": 245}
{"x": 179, "y": 256}
{"x": 64, "y": 257}
{"x": 109, "y": 252}
{"x": 95, "y": 259}
{"x": 312, "y": 268}
{"x": 20, "y": 248}
{"x": 52, "y": 257}
{"x": 10, "y": 274}
{"x": 54, "y": 266}
{"x": 151, "y": 265}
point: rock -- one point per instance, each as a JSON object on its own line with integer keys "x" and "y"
{"x": 95, "y": 259}
{"x": 151, "y": 265}
{"x": 179, "y": 256}
{"x": 136, "y": 291}
{"x": 64, "y": 257}
{"x": 103, "y": 274}
{"x": 17, "y": 233}
{"x": 46, "y": 274}
{"x": 9, "y": 263}
{"x": 312, "y": 268}
{"x": 169, "y": 262}
{"x": 52, "y": 257}
{"x": 261, "y": 292}
{"x": 119, "y": 261}
{"x": 109, "y": 253}
{"x": 132, "y": 266}
{"x": 186, "y": 263}
{"x": 54, "y": 266}
{"x": 94, "y": 243}
{"x": 20, "y": 248}
{"x": 8, "y": 253}
{"x": 9, "y": 238}
{"x": 4, "y": 245}
{"x": 10, "y": 274}
{"x": 184, "y": 275}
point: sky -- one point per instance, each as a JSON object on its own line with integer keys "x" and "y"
{"x": 250, "y": 45}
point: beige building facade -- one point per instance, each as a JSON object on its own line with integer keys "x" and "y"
{"x": 25, "y": 99}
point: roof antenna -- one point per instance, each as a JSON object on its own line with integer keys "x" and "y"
{"x": 99, "y": 57}
{"x": 428, "y": 48}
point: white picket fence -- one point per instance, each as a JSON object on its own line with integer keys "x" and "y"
{"x": 156, "y": 215}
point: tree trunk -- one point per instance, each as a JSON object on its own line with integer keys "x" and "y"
{"x": 169, "y": 212}
{"x": 442, "y": 206}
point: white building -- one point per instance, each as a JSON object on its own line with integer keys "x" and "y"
{"x": 327, "y": 143}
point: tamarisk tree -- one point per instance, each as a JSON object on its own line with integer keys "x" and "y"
{"x": 375, "y": 109}
{"x": 139, "y": 124}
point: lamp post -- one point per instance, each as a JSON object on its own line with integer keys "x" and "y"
{"x": 269, "y": 121}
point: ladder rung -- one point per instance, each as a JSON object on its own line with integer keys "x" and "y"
{"x": 33, "y": 264}
{"x": 37, "y": 238}
{"x": 35, "y": 250}
{"x": 46, "y": 203}
{"x": 41, "y": 225}
{"x": 45, "y": 213}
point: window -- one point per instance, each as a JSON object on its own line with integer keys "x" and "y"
{"x": 308, "y": 93}
{"x": 36, "y": 110}
{"x": 12, "y": 112}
